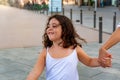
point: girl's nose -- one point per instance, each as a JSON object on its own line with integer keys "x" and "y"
{"x": 50, "y": 28}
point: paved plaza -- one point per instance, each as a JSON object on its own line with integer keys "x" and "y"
{"x": 21, "y": 36}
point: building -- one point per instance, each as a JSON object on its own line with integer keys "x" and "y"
{"x": 75, "y": 2}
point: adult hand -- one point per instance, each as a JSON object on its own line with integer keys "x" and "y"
{"x": 104, "y": 58}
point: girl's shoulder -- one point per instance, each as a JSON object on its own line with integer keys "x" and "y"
{"x": 43, "y": 52}
{"x": 78, "y": 49}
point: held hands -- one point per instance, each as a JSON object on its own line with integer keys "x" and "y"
{"x": 104, "y": 58}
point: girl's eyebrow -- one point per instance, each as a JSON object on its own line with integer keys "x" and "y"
{"x": 53, "y": 24}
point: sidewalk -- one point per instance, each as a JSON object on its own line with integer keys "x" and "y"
{"x": 106, "y": 13}
{"x": 16, "y": 63}
{"x": 21, "y": 30}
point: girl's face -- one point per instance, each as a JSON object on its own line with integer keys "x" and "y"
{"x": 54, "y": 30}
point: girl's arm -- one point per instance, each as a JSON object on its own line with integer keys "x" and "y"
{"x": 38, "y": 67}
{"x": 85, "y": 59}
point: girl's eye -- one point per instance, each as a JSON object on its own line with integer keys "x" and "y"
{"x": 54, "y": 26}
{"x": 48, "y": 26}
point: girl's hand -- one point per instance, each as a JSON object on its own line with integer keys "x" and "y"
{"x": 104, "y": 58}
{"x": 105, "y": 62}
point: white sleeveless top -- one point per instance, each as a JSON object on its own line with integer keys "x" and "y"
{"x": 62, "y": 68}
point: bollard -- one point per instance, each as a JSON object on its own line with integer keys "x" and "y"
{"x": 81, "y": 16}
{"x": 94, "y": 19}
{"x": 47, "y": 11}
{"x": 51, "y": 10}
{"x": 57, "y": 10}
{"x": 114, "y": 21}
{"x": 71, "y": 14}
{"x": 63, "y": 11}
{"x": 100, "y": 29}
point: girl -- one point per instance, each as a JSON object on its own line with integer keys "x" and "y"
{"x": 61, "y": 52}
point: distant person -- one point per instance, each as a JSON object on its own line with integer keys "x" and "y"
{"x": 113, "y": 40}
{"x": 101, "y": 3}
{"x": 43, "y": 2}
{"x": 119, "y": 4}
{"x": 61, "y": 52}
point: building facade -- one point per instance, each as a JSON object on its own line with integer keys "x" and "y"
{"x": 75, "y": 2}
{"x": 87, "y": 2}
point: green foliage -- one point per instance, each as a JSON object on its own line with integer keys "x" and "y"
{"x": 37, "y": 7}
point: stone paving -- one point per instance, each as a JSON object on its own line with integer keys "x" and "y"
{"x": 106, "y": 13}
{"x": 23, "y": 28}
{"x": 17, "y": 61}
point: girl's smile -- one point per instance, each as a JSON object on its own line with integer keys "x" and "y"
{"x": 54, "y": 30}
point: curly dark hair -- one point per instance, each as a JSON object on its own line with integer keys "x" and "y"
{"x": 69, "y": 35}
